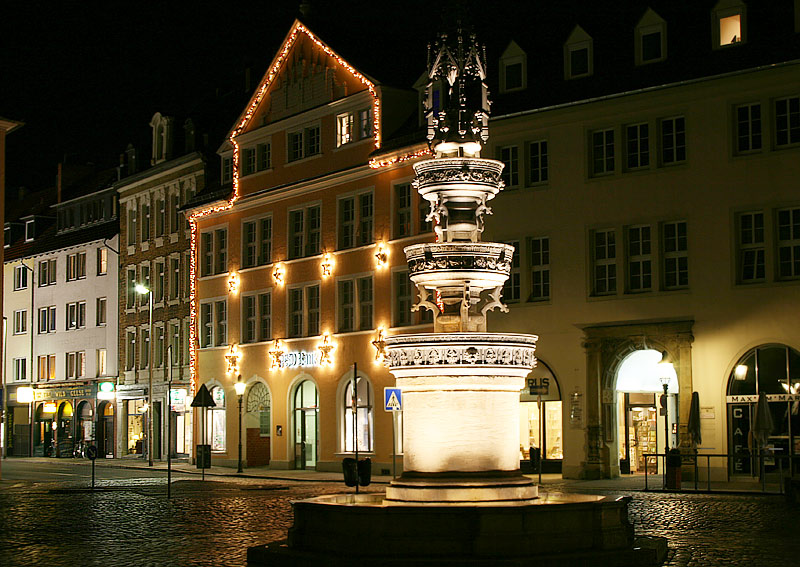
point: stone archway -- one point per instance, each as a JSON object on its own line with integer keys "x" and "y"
{"x": 606, "y": 347}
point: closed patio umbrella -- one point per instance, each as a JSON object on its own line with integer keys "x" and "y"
{"x": 694, "y": 420}
{"x": 762, "y": 425}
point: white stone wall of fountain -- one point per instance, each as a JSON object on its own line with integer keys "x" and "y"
{"x": 460, "y": 384}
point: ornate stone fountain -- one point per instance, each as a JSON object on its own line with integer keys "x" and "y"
{"x": 461, "y": 499}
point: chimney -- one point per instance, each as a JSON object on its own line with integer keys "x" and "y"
{"x": 131, "y": 154}
{"x": 59, "y": 181}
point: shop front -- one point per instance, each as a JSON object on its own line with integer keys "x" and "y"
{"x": 57, "y": 426}
{"x": 132, "y": 411}
{"x": 540, "y": 422}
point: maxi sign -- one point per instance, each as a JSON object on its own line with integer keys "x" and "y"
{"x": 298, "y": 359}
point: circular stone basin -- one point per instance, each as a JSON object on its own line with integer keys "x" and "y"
{"x": 485, "y": 265}
{"x": 459, "y": 179}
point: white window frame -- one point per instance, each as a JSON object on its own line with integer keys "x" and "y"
{"x": 748, "y": 129}
{"x": 604, "y": 158}
{"x": 577, "y": 41}
{"x": 307, "y": 234}
{"x": 608, "y": 262}
{"x": 309, "y": 317}
{"x": 675, "y": 135}
{"x": 539, "y": 253}
{"x": 358, "y": 223}
{"x": 101, "y": 311}
{"x": 20, "y": 322}
{"x": 213, "y": 330}
{"x": 650, "y": 23}
{"x": 20, "y": 369}
{"x": 675, "y": 254}
{"x": 723, "y": 10}
{"x": 540, "y": 166}
{"x": 639, "y": 256}
{"x": 365, "y": 415}
{"x": 361, "y": 320}
{"x": 260, "y": 248}
{"x": 637, "y": 158}
{"x": 20, "y": 277}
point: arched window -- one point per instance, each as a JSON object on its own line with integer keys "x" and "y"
{"x": 216, "y": 419}
{"x": 258, "y": 408}
{"x": 774, "y": 370}
{"x": 363, "y": 418}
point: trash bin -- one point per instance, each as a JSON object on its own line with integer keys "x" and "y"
{"x": 364, "y": 471}
{"x": 673, "y": 469}
{"x": 350, "y": 471}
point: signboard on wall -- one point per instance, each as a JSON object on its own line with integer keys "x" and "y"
{"x": 300, "y": 359}
{"x": 40, "y": 394}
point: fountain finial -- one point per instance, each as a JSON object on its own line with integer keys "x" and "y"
{"x": 458, "y": 116}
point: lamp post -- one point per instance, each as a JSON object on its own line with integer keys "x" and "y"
{"x": 141, "y": 290}
{"x": 240, "y": 387}
{"x": 665, "y": 372}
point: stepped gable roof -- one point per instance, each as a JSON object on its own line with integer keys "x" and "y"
{"x": 542, "y": 28}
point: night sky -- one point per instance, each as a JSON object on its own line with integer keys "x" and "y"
{"x": 87, "y": 77}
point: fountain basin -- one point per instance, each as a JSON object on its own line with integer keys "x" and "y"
{"x": 556, "y": 529}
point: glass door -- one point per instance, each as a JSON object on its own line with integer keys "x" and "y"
{"x": 306, "y": 425}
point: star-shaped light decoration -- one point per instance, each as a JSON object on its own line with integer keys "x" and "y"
{"x": 275, "y": 354}
{"x": 277, "y": 274}
{"x": 380, "y": 345}
{"x": 327, "y": 265}
{"x": 232, "y": 357}
{"x": 233, "y": 283}
{"x": 325, "y": 349}
{"x": 382, "y": 256}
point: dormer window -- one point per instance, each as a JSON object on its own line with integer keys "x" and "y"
{"x": 513, "y": 68}
{"x": 651, "y": 39}
{"x": 578, "y": 55}
{"x": 30, "y": 230}
{"x": 729, "y": 21}
{"x": 162, "y": 138}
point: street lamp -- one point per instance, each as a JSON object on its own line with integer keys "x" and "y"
{"x": 141, "y": 290}
{"x": 240, "y": 387}
{"x": 665, "y": 372}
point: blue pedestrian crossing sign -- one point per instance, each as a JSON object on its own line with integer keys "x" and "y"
{"x": 392, "y": 399}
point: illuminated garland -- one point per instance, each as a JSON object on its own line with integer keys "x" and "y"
{"x": 297, "y": 29}
{"x": 375, "y": 163}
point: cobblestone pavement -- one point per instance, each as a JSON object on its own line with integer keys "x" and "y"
{"x": 130, "y": 522}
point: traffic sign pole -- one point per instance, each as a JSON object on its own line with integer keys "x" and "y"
{"x": 394, "y": 445}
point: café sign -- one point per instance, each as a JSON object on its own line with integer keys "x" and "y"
{"x": 40, "y": 394}
{"x": 753, "y": 398}
{"x": 299, "y": 359}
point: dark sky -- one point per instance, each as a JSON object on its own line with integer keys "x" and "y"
{"x": 86, "y": 77}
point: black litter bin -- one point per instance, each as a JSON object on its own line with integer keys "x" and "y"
{"x": 364, "y": 471}
{"x": 536, "y": 459}
{"x": 350, "y": 471}
{"x": 673, "y": 469}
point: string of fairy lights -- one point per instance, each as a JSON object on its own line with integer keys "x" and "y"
{"x": 297, "y": 31}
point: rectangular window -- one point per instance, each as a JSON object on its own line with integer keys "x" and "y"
{"x": 175, "y": 278}
{"x": 296, "y": 312}
{"x": 144, "y": 349}
{"x": 102, "y": 261}
{"x": 651, "y": 46}
{"x": 305, "y": 226}
{"x": 131, "y": 210}
{"x": 604, "y": 258}
{"x": 264, "y": 316}
{"x": 144, "y": 298}
{"x": 578, "y": 61}
{"x": 221, "y": 321}
{"x": 130, "y": 350}
{"x": 264, "y": 156}
{"x": 20, "y": 322}
{"x": 540, "y": 268}
{"x": 175, "y": 214}
{"x": 638, "y": 145}
{"x": 311, "y": 141}
{"x": 676, "y": 256}
{"x": 227, "y": 170}
{"x": 206, "y": 325}
{"x": 20, "y": 277}
{"x": 751, "y": 247}
{"x": 787, "y": 121}
{"x": 159, "y": 352}
{"x": 20, "y": 369}
{"x": 102, "y": 302}
{"x": 304, "y": 322}
{"x": 47, "y": 272}
{"x": 509, "y": 155}
{"x": 161, "y": 216}
{"x": 748, "y": 128}
{"x": 511, "y": 287}
{"x": 789, "y": 243}
{"x": 76, "y": 315}
{"x": 102, "y": 362}
{"x": 303, "y": 143}
{"x": 47, "y": 320}
{"x": 160, "y": 282}
{"x": 424, "y": 210}
{"x": 640, "y": 261}
{"x": 175, "y": 343}
{"x": 402, "y": 298}
{"x": 146, "y": 219}
{"x": 673, "y": 140}
{"x": 221, "y": 243}
{"x": 248, "y": 161}
{"x": 47, "y": 367}
{"x": 603, "y": 152}
{"x": 76, "y": 266}
{"x": 364, "y": 123}
{"x": 537, "y": 162}
{"x": 344, "y": 128}
{"x": 402, "y": 210}
{"x": 76, "y": 364}
{"x": 249, "y": 318}
{"x": 355, "y": 221}
{"x": 355, "y": 298}
{"x": 130, "y": 289}
{"x": 214, "y": 252}
{"x": 206, "y": 254}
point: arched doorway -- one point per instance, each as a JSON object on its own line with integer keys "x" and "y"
{"x": 65, "y": 442}
{"x": 773, "y": 369}
{"x": 540, "y": 419}
{"x": 105, "y": 429}
{"x": 306, "y": 425}
{"x": 43, "y": 434}
{"x": 640, "y": 425}
{"x": 363, "y": 415}
{"x": 257, "y": 425}
{"x": 85, "y": 430}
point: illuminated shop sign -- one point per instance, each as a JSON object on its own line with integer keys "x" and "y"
{"x": 177, "y": 399}
{"x": 299, "y": 359}
{"x": 753, "y": 398}
{"x": 105, "y": 391}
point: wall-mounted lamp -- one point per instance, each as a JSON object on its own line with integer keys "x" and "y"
{"x": 326, "y": 347}
{"x": 382, "y": 255}
{"x": 232, "y": 357}
{"x": 278, "y": 274}
{"x": 327, "y": 265}
{"x": 233, "y": 283}
{"x": 740, "y": 372}
{"x": 380, "y": 345}
{"x": 275, "y": 354}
